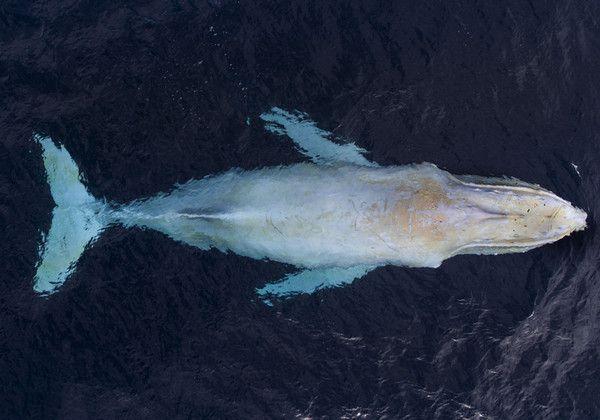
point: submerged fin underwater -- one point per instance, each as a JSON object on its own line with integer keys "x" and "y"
{"x": 335, "y": 218}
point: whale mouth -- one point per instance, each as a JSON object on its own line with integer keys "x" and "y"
{"x": 503, "y": 247}
{"x": 507, "y": 246}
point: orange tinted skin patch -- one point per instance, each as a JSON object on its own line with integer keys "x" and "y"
{"x": 430, "y": 196}
{"x": 427, "y": 206}
{"x": 420, "y": 217}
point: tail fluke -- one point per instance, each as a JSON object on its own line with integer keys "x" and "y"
{"x": 77, "y": 219}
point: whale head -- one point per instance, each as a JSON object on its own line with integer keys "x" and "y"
{"x": 515, "y": 216}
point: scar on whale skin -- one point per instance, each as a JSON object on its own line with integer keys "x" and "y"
{"x": 336, "y": 217}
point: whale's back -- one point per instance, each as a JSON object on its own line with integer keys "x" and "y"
{"x": 303, "y": 214}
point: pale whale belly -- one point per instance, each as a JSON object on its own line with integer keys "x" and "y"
{"x": 316, "y": 216}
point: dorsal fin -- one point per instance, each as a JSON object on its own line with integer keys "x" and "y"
{"x": 200, "y": 213}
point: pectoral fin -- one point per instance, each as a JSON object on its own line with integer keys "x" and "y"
{"x": 312, "y": 141}
{"x": 308, "y": 281}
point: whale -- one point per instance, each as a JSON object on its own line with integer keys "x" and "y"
{"x": 334, "y": 217}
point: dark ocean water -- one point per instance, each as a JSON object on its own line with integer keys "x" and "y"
{"x": 148, "y": 94}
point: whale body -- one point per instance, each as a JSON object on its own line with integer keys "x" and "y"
{"x": 335, "y": 218}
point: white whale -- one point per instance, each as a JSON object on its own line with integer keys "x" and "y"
{"x": 335, "y": 218}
